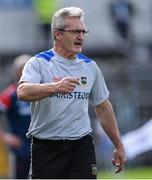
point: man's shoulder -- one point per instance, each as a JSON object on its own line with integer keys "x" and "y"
{"x": 46, "y": 55}
{"x": 84, "y": 58}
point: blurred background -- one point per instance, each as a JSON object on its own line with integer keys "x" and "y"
{"x": 120, "y": 41}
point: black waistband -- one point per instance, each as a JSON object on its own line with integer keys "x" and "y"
{"x": 60, "y": 140}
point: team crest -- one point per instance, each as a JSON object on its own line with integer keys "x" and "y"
{"x": 83, "y": 81}
{"x": 94, "y": 169}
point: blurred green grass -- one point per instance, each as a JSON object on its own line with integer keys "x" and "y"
{"x": 134, "y": 173}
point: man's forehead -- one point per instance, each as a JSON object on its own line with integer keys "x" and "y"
{"x": 74, "y": 22}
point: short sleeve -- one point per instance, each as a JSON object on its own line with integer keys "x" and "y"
{"x": 99, "y": 92}
{"x": 31, "y": 71}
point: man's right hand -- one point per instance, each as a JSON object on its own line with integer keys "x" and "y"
{"x": 34, "y": 92}
{"x": 65, "y": 85}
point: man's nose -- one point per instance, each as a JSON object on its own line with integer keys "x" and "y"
{"x": 81, "y": 35}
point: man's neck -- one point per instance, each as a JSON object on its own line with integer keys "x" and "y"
{"x": 64, "y": 53}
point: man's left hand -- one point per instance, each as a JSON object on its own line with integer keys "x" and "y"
{"x": 119, "y": 159}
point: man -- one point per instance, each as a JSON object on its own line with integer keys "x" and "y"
{"x": 59, "y": 84}
{"x": 19, "y": 116}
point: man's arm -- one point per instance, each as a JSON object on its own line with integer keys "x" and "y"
{"x": 105, "y": 113}
{"x": 34, "y": 92}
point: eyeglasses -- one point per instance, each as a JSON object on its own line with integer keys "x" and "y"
{"x": 75, "y": 31}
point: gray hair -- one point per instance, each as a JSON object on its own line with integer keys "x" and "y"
{"x": 60, "y": 15}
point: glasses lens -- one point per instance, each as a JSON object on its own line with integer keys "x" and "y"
{"x": 75, "y": 31}
{"x": 79, "y": 31}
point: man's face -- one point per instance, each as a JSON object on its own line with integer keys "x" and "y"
{"x": 73, "y": 35}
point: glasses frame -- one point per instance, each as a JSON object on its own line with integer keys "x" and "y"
{"x": 75, "y": 31}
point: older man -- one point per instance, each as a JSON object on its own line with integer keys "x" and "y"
{"x": 59, "y": 83}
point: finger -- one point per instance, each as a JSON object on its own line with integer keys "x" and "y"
{"x": 117, "y": 163}
{"x": 67, "y": 91}
{"x": 113, "y": 162}
{"x": 118, "y": 169}
{"x": 71, "y": 79}
{"x": 74, "y": 80}
{"x": 72, "y": 85}
{"x": 123, "y": 160}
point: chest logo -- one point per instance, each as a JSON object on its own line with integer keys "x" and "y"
{"x": 83, "y": 81}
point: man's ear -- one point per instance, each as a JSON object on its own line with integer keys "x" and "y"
{"x": 57, "y": 35}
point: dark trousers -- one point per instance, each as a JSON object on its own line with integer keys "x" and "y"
{"x": 63, "y": 159}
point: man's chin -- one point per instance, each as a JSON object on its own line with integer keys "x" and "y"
{"x": 78, "y": 50}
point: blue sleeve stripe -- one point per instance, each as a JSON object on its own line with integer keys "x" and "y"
{"x": 46, "y": 55}
{"x": 84, "y": 58}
